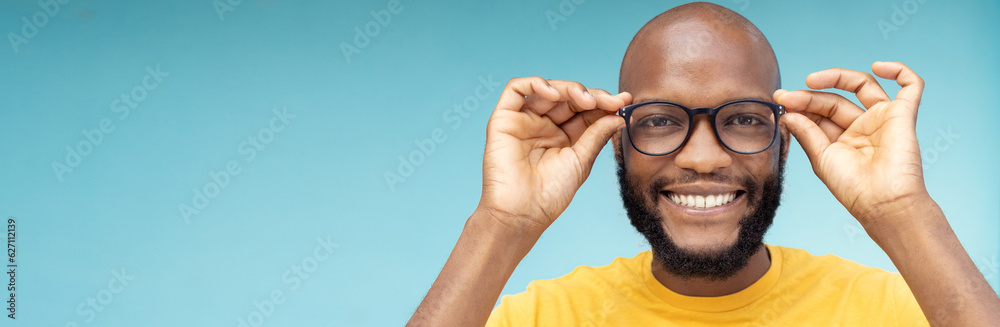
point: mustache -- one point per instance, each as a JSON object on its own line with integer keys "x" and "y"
{"x": 688, "y": 177}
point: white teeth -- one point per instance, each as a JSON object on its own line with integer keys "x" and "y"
{"x": 702, "y": 201}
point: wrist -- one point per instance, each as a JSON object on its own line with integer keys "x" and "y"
{"x": 505, "y": 225}
{"x": 487, "y": 237}
{"x": 905, "y": 218}
{"x": 892, "y": 209}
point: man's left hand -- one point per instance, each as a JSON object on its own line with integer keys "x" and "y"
{"x": 869, "y": 159}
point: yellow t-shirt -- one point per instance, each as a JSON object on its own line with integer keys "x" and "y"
{"x": 799, "y": 289}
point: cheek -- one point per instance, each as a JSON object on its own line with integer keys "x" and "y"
{"x": 643, "y": 167}
{"x": 762, "y": 166}
{"x": 640, "y": 171}
{"x": 773, "y": 159}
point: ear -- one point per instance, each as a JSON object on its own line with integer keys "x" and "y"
{"x": 616, "y": 143}
{"x": 785, "y": 139}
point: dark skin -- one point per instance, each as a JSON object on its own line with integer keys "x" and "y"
{"x": 544, "y": 136}
{"x": 699, "y": 72}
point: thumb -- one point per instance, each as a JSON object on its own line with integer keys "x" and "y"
{"x": 808, "y": 134}
{"x": 595, "y": 137}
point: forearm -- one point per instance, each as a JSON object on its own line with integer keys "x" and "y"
{"x": 945, "y": 282}
{"x": 474, "y": 275}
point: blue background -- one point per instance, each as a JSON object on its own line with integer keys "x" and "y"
{"x": 323, "y": 175}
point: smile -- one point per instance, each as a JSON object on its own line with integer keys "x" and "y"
{"x": 702, "y": 201}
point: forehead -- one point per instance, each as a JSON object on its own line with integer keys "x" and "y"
{"x": 701, "y": 64}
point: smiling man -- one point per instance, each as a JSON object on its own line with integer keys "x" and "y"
{"x": 700, "y": 133}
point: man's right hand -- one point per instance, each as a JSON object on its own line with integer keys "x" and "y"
{"x": 541, "y": 143}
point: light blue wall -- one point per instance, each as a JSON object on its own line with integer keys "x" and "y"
{"x": 323, "y": 174}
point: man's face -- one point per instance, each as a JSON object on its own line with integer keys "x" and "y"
{"x": 703, "y": 68}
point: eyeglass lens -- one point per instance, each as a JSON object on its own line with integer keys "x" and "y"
{"x": 661, "y": 128}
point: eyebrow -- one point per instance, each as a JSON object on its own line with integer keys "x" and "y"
{"x": 728, "y": 100}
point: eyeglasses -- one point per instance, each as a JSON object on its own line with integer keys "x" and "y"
{"x": 659, "y": 128}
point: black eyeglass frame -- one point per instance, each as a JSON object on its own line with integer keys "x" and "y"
{"x": 626, "y": 113}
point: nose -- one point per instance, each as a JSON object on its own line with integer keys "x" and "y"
{"x": 703, "y": 153}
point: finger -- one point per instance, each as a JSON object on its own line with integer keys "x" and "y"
{"x": 574, "y": 94}
{"x": 625, "y": 96}
{"x": 580, "y": 98}
{"x": 837, "y": 108}
{"x": 808, "y": 134}
{"x": 913, "y": 85}
{"x": 512, "y": 97}
{"x": 594, "y": 138}
{"x": 576, "y": 126}
{"x": 831, "y": 129}
{"x": 562, "y": 112}
{"x": 606, "y": 101}
{"x": 862, "y": 84}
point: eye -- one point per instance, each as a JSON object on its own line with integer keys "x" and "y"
{"x": 745, "y": 119}
{"x": 657, "y": 121}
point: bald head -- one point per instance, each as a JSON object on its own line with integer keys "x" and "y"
{"x": 693, "y": 45}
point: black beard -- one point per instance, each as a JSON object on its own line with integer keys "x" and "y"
{"x": 720, "y": 265}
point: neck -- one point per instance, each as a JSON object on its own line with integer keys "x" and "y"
{"x": 758, "y": 265}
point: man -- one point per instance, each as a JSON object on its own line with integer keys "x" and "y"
{"x": 701, "y": 133}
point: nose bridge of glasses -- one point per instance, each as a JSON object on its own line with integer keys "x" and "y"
{"x": 703, "y": 127}
{"x": 706, "y": 131}
{"x": 694, "y": 112}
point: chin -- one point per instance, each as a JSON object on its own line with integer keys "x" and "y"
{"x": 704, "y": 243}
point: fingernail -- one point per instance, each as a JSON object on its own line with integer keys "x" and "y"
{"x": 588, "y": 95}
{"x": 553, "y": 89}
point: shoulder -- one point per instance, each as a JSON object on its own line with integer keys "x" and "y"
{"x": 589, "y": 280}
{"x": 800, "y": 264}
{"x": 859, "y": 288}
{"x": 585, "y": 277}
{"x": 583, "y": 289}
